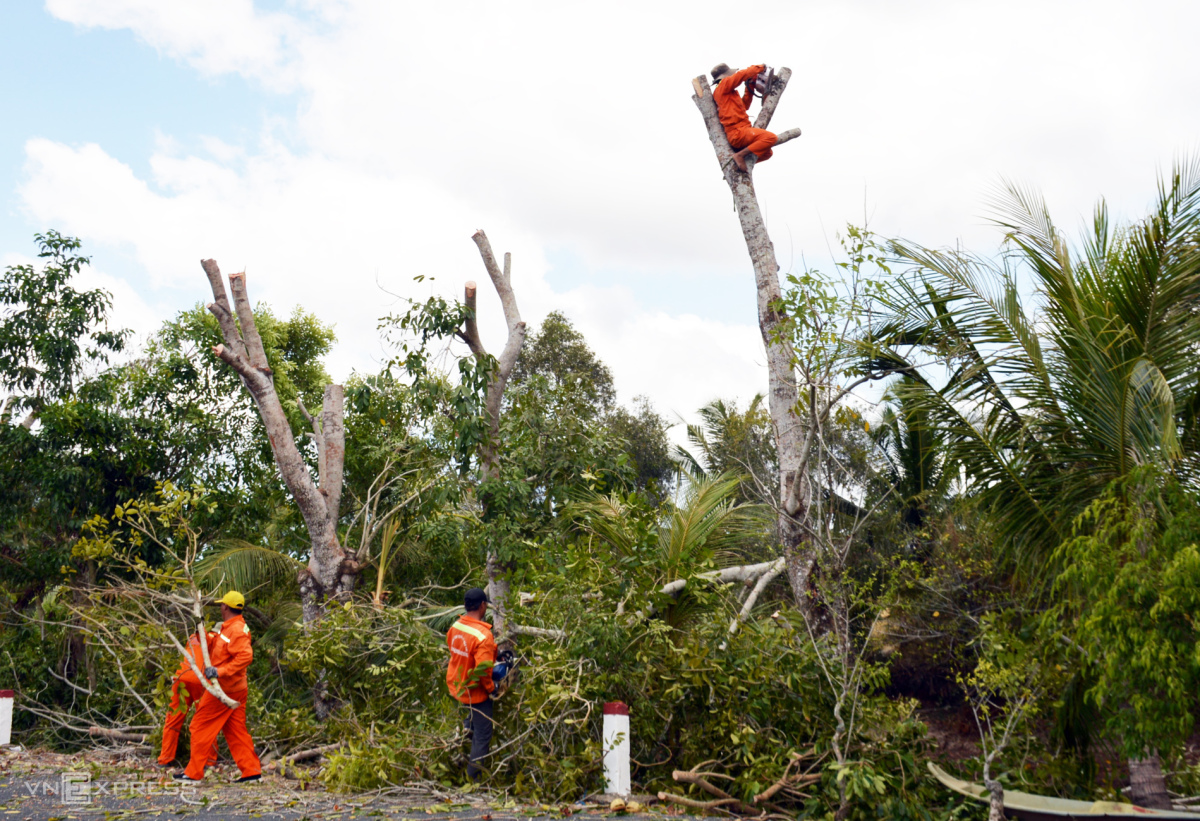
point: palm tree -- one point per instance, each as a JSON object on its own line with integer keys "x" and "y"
{"x": 1045, "y": 409}
{"x": 731, "y": 441}
{"x": 914, "y": 464}
{"x": 710, "y": 527}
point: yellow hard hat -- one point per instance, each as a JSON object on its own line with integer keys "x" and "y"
{"x": 234, "y": 599}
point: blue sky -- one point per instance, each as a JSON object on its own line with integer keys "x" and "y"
{"x": 76, "y": 86}
{"x": 333, "y": 147}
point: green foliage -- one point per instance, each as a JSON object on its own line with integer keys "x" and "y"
{"x": 644, "y": 432}
{"x": 709, "y": 528}
{"x": 424, "y": 324}
{"x": 1131, "y": 590}
{"x": 1044, "y": 410}
{"x": 49, "y": 331}
{"x": 736, "y": 442}
{"x": 560, "y": 354}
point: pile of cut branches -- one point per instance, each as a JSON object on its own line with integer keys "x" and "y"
{"x": 781, "y": 798}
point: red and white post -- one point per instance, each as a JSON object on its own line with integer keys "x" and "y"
{"x": 6, "y": 710}
{"x": 615, "y": 739}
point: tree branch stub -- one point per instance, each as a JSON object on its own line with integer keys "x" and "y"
{"x": 245, "y": 313}
{"x": 220, "y": 307}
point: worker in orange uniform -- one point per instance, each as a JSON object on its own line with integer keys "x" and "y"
{"x": 230, "y": 654}
{"x": 731, "y": 110}
{"x": 472, "y": 674}
{"x": 185, "y": 687}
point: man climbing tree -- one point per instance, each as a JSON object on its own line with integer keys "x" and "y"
{"x": 732, "y": 108}
{"x": 783, "y": 396}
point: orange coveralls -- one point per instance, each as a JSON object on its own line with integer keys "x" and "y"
{"x": 231, "y": 653}
{"x": 731, "y": 110}
{"x": 472, "y": 656}
{"x": 185, "y": 680}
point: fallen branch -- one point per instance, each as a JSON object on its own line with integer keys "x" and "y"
{"x": 116, "y": 735}
{"x": 698, "y": 805}
{"x": 305, "y": 755}
{"x": 537, "y": 632}
{"x": 739, "y": 573}
{"x": 765, "y": 579}
{"x": 792, "y": 782}
{"x": 690, "y": 777}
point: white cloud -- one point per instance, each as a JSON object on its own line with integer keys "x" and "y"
{"x": 563, "y": 126}
{"x": 216, "y": 36}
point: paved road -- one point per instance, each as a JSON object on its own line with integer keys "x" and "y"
{"x": 79, "y": 788}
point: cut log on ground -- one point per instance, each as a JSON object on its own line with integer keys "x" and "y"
{"x": 116, "y": 735}
{"x": 305, "y": 755}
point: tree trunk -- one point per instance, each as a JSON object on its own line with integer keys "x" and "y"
{"x": 498, "y": 571}
{"x": 995, "y": 799}
{"x": 794, "y": 492}
{"x": 1147, "y": 784}
{"x": 331, "y": 573}
{"x": 78, "y": 661}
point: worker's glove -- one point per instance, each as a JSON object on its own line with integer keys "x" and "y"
{"x": 499, "y": 671}
{"x": 210, "y": 672}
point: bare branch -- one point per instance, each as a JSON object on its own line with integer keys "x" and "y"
{"x": 220, "y": 307}
{"x": 765, "y": 579}
{"x": 254, "y": 344}
{"x": 305, "y": 755}
{"x": 470, "y": 332}
{"x": 116, "y": 735}
{"x": 501, "y": 279}
{"x": 537, "y": 632}
{"x": 786, "y": 136}
{"x": 236, "y": 361}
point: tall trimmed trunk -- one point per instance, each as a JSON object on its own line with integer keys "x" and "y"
{"x": 498, "y": 571}
{"x": 331, "y": 572}
{"x": 783, "y": 394}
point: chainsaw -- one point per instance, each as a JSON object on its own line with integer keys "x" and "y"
{"x": 763, "y": 82}
{"x": 507, "y": 664}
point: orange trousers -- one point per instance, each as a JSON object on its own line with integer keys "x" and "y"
{"x": 176, "y": 715}
{"x": 214, "y": 718}
{"x": 758, "y": 140}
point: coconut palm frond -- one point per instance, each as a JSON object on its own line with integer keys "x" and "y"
{"x": 710, "y": 524}
{"x": 605, "y": 518}
{"x": 239, "y": 565}
{"x": 440, "y": 619}
{"x": 1044, "y": 409}
{"x": 286, "y": 616}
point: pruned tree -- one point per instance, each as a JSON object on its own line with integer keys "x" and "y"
{"x": 783, "y": 394}
{"x": 332, "y": 571}
{"x": 489, "y": 449}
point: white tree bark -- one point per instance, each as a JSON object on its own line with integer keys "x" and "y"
{"x": 768, "y": 576}
{"x": 497, "y": 570}
{"x": 331, "y": 573}
{"x": 794, "y": 490}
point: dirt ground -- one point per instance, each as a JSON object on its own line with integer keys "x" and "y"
{"x": 122, "y": 783}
